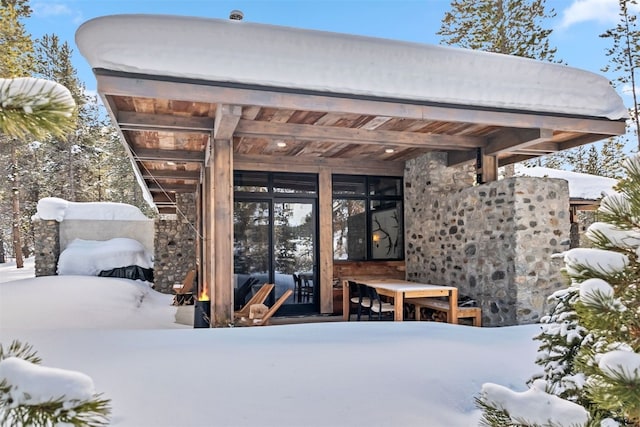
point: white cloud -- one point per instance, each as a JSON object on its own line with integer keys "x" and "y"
{"x": 44, "y": 10}
{"x": 602, "y": 11}
{"x": 51, "y": 9}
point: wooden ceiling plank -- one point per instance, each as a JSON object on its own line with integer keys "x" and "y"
{"x": 355, "y": 136}
{"x": 130, "y": 85}
{"x": 510, "y": 140}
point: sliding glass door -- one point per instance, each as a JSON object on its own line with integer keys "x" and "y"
{"x": 275, "y": 240}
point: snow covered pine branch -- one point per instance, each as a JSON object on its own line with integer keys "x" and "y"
{"x": 39, "y": 396}
{"x": 590, "y": 342}
{"x": 35, "y": 106}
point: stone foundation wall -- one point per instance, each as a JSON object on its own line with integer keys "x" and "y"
{"x": 492, "y": 241}
{"x": 175, "y": 245}
{"x": 47, "y": 247}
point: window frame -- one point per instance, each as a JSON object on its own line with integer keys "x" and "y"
{"x": 368, "y": 198}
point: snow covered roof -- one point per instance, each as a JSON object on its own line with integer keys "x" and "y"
{"x": 296, "y": 100}
{"x": 273, "y": 56}
{"x": 581, "y": 185}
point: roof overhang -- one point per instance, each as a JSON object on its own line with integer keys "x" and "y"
{"x": 312, "y": 99}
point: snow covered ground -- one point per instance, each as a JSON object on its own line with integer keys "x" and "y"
{"x": 123, "y": 335}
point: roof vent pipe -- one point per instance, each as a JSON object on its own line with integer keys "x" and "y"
{"x": 236, "y": 15}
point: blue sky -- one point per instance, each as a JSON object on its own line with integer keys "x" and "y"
{"x": 577, "y": 25}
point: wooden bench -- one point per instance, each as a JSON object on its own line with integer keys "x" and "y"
{"x": 475, "y": 313}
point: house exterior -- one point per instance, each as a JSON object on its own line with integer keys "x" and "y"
{"x": 275, "y": 151}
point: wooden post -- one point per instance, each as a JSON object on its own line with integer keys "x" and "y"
{"x": 486, "y": 167}
{"x": 208, "y": 219}
{"x": 325, "y": 196}
{"x": 223, "y": 232}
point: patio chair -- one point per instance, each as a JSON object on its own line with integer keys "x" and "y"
{"x": 358, "y": 299}
{"x": 184, "y": 291}
{"x": 272, "y": 310}
{"x": 240, "y": 294}
{"x": 378, "y": 306}
{"x": 259, "y": 298}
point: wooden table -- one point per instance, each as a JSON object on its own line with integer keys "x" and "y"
{"x": 400, "y": 290}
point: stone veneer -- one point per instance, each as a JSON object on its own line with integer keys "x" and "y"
{"x": 493, "y": 241}
{"x": 175, "y": 244}
{"x": 47, "y": 246}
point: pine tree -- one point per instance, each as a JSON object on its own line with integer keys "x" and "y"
{"x": 16, "y": 56}
{"x": 590, "y": 343}
{"x": 511, "y": 27}
{"x": 624, "y": 57}
{"x": 16, "y": 46}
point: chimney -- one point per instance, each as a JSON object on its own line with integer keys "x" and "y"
{"x": 236, "y": 15}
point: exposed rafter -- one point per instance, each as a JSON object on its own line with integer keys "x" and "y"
{"x": 509, "y": 140}
{"x": 168, "y": 155}
{"x": 167, "y": 122}
{"x": 360, "y": 136}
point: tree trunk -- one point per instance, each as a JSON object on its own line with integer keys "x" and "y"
{"x": 2, "y": 258}
{"x": 15, "y": 196}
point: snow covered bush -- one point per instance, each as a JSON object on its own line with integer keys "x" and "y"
{"x": 590, "y": 341}
{"x": 39, "y": 396}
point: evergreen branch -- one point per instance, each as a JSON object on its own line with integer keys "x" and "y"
{"x": 91, "y": 413}
{"x": 37, "y": 107}
{"x": 23, "y": 351}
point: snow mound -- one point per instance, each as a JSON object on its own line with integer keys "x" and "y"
{"x": 74, "y": 302}
{"x": 90, "y": 257}
{"x": 32, "y": 384}
{"x": 53, "y": 208}
{"x": 581, "y": 185}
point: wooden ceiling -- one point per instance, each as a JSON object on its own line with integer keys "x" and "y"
{"x": 168, "y": 124}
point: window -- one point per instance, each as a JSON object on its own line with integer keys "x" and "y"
{"x": 367, "y": 218}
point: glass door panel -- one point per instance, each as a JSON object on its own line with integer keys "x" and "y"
{"x": 294, "y": 229}
{"x": 251, "y": 248}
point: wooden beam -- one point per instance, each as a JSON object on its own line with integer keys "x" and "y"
{"x": 163, "y": 197}
{"x": 582, "y": 140}
{"x": 167, "y": 210}
{"x": 227, "y": 117}
{"x": 516, "y": 158}
{"x": 298, "y": 132}
{"x": 222, "y": 203}
{"x": 510, "y": 140}
{"x": 172, "y": 174}
{"x": 316, "y": 164}
{"x": 154, "y": 87}
{"x": 455, "y": 158}
{"x": 178, "y": 188}
{"x": 168, "y": 155}
{"x": 540, "y": 149}
{"x": 167, "y": 122}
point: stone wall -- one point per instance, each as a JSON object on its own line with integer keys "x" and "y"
{"x": 492, "y": 241}
{"x": 175, "y": 245}
{"x": 47, "y": 247}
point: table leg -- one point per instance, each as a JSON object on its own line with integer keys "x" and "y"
{"x": 453, "y": 306}
{"x": 346, "y": 304}
{"x": 398, "y": 306}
